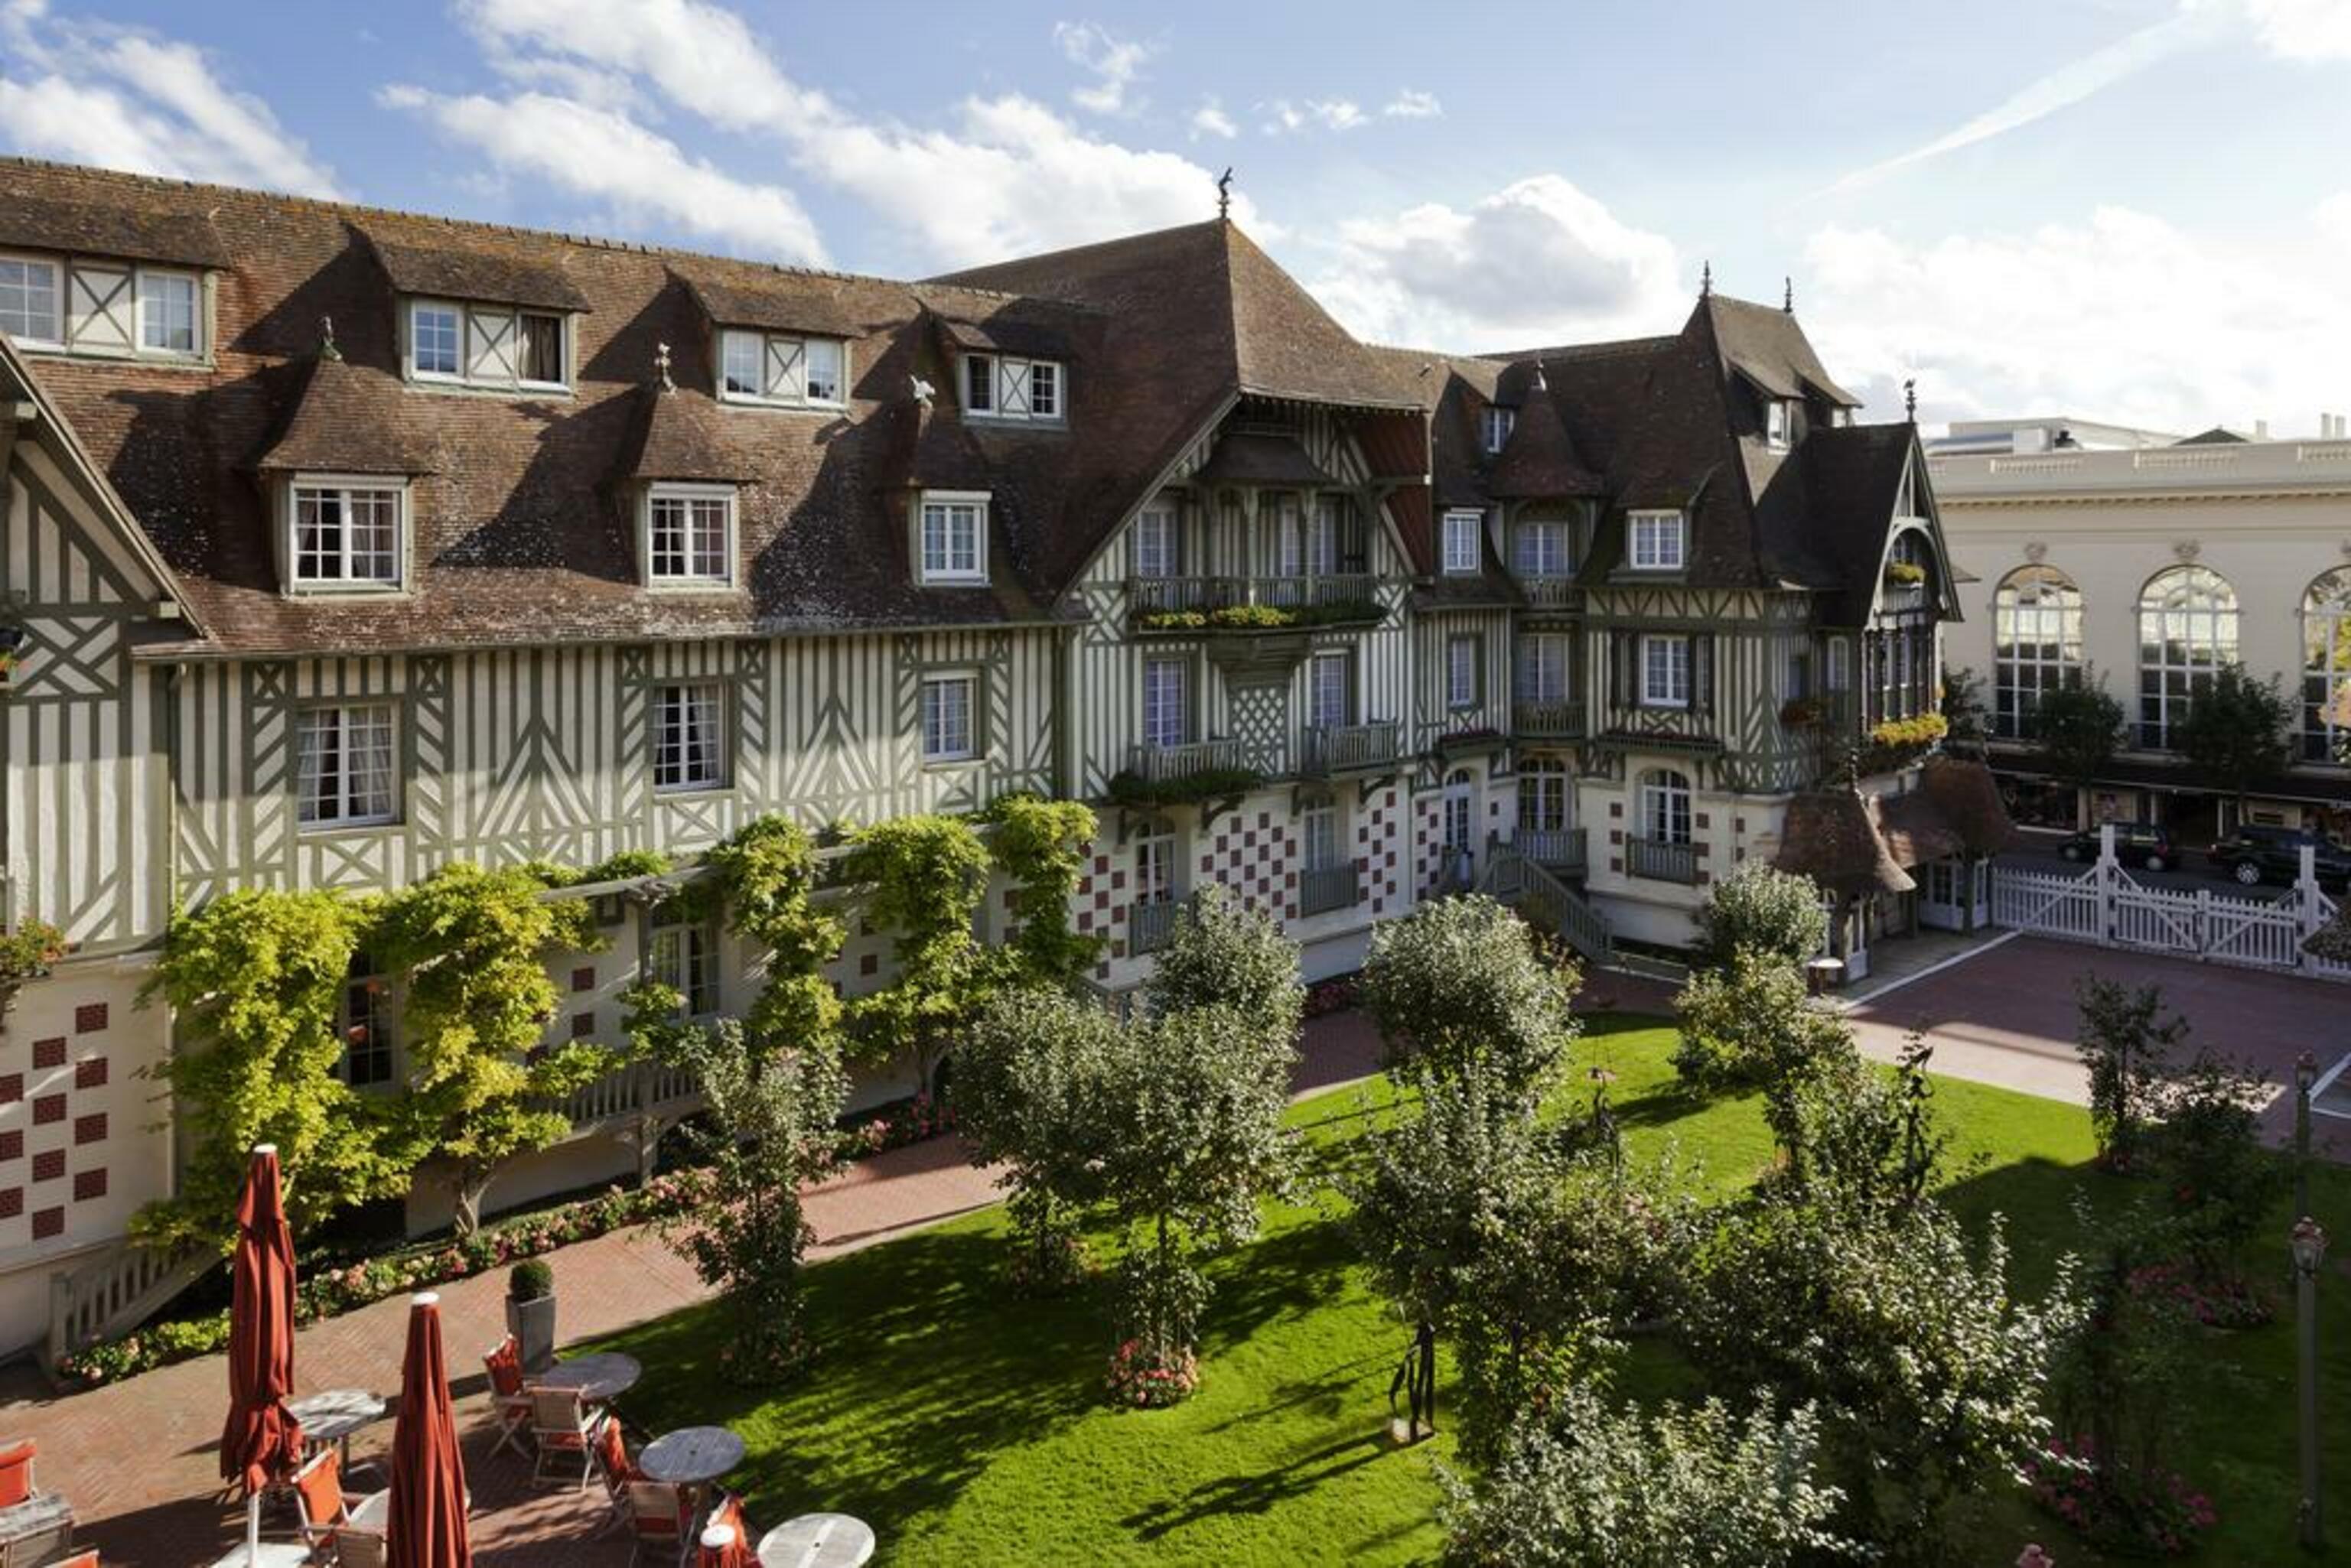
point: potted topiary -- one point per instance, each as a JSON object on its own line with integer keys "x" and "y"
{"x": 530, "y": 1313}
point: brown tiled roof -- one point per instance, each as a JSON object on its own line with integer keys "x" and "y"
{"x": 97, "y": 228}
{"x": 1830, "y": 836}
{"x": 1253, "y": 458}
{"x": 1915, "y": 830}
{"x": 681, "y": 435}
{"x": 1539, "y": 462}
{"x": 1967, "y": 796}
{"x": 781, "y": 302}
{"x": 469, "y": 272}
{"x": 343, "y": 418}
{"x": 1009, "y": 330}
{"x": 1764, "y": 343}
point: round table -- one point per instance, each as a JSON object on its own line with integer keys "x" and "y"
{"x": 691, "y": 1455}
{"x": 272, "y": 1554}
{"x": 333, "y": 1415}
{"x": 607, "y": 1375}
{"x": 817, "y": 1541}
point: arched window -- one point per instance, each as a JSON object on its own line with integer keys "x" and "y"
{"x": 2327, "y": 668}
{"x": 2036, "y": 642}
{"x": 1664, "y": 807}
{"x": 2187, "y": 631}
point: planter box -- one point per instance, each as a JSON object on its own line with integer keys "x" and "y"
{"x": 533, "y": 1325}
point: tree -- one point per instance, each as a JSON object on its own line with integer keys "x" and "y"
{"x": 1763, "y": 910}
{"x": 767, "y": 873}
{"x": 1030, "y": 1082}
{"x": 2235, "y": 730}
{"x": 1226, "y": 953}
{"x": 1589, "y": 1486}
{"x": 1967, "y": 727}
{"x": 471, "y": 946}
{"x": 255, "y": 977}
{"x": 1041, "y": 846}
{"x": 772, "y": 1129}
{"x": 1753, "y": 1026}
{"x": 2077, "y": 728}
{"x": 1456, "y": 988}
{"x": 2125, "y": 1042}
{"x": 927, "y": 875}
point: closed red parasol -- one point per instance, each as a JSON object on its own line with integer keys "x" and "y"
{"x": 426, "y": 1526}
{"x": 261, "y": 1442}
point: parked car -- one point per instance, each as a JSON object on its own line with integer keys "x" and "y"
{"x": 2254, "y": 855}
{"x": 2136, "y": 843}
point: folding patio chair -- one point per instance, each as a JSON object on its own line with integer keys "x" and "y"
{"x": 326, "y": 1511}
{"x": 659, "y": 1516}
{"x": 508, "y": 1399}
{"x": 614, "y": 1466}
{"x": 561, "y": 1424}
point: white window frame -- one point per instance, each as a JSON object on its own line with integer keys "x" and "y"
{"x": 1461, "y": 552}
{"x": 345, "y": 485}
{"x": 684, "y": 955}
{"x": 949, "y": 503}
{"x": 1543, "y": 670}
{"x": 1157, "y": 552}
{"x": 1159, "y": 865}
{"x": 455, "y": 375}
{"x": 143, "y": 291}
{"x": 474, "y": 320}
{"x": 57, "y": 270}
{"x": 1546, "y": 801}
{"x": 1838, "y": 678}
{"x": 675, "y": 754}
{"x": 1338, "y": 691}
{"x": 1657, "y": 541}
{"x": 348, "y": 806}
{"x": 691, "y": 495}
{"x": 1496, "y": 424}
{"x": 1322, "y": 837}
{"x": 1664, "y": 681}
{"x": 1666, "y": 805}
{"x": 1778, "y": 422}
{"x": 767, "y": 346}
{"x": 562, "y": 350}
{"x": 1010, "y": 391}
{"x": 1531, "y": 557}
{"x": 1165, "y": 723}
{"x": 940, "y": 747}
{"x": 1461, "y": 660}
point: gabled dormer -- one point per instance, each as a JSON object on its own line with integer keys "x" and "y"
{"x": 780, "y": 343}
{"x": 679, "y": 485}
{"x": 1008, "y": 370}
{"x": 107, "y": 282}
{"x": 339, "y": 476}
{"x": 481, "y": 320}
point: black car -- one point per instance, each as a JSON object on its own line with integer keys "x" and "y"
{"x": 2136, "y": 843}
{"x": 2254, "y": 855}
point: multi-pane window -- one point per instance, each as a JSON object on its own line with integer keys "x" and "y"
{"x": 684, "y": 955}
{"x": 1458, "y": 821}
{"x": 1540, "y": 673}
{"x": 1318, "y": 833}
{"x": 1665, "y": 671}
{"x": 345, "y": 767}
{"x": 487, "y": 345}
{"x": 540, "y": 352}
{"x": 1460, "y": 673}
{"x": 1154, "y": 542}
{"x": 953, "y": 535}
{"x": 29, "y": 300}
{"x": 345, "y": 535}
{"x": 1664, "y": 807}
{"x": 1543, "y": 795}
{"x": 2187, "y": 632}
{"x": 772, "y": 367}
{"x": 1000, "y": 387}
{"x": 2327, "y": 668}
{"x": 1658, "y": 541}
{"x": 1329, "y": 696}
{"x": 364, "y": 1022}
{"x": 1322, "y": 537}
{"x": 689, "y": 736}
{"x": 1540, "y": 550}
{"x": 435, "y": 332}
{"x": 687, "y": 535}
{"x": 167, "y": 313}
{"x": 1461, "y": 541}
{"x": 947, "y": 717}
{"x": 1167, "y": 702}
{"x": 2036, "y": 644}
{"x": 1775, "y": 423}
{"x": 1494, "y": 426}
{"x": 1839, "y": 674}
{"x": 1157, "y": 875}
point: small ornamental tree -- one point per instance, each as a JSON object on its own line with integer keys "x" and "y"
{"x": 1191, "y": 1138}
{"x": 1763, "y": 910}
{"x": 1585, "y": 1486}
{"x": 1967, "y": 726}
{"x": 472, "y": 946}
{"x": 1030, "y": 1081}
{"x": 1456, "y": 988}
{"x": 925, "y": 875}
{"x": 2078, "y": 727}
{"x": 2127, "y": 1041}
{"x": 1040, "y": 845}
{"x": 255, "y": 977}
{"x": 766, "y": 874}
{"x": 2220, "y": 1178}
{"x": 1753, "y": 1026}
{"x": 1226, "y": 953}
{"x": 2235, "y": 731}
{"x": 27, "y": 953}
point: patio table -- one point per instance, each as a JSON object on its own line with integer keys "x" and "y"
{"x": 333, "y": 1415}
{"x": 690, "y": 1456}
{"x": 269, "y": 1554}
{"x": 817, "y": 1541}
{"x": 600, "y": 1378}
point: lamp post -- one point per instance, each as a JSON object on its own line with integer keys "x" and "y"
{"x": 2308, "y": 1244}
{"x": 2305, "y": 1076}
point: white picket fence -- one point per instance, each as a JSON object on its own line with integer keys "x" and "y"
{"x": 2106, "y": 905}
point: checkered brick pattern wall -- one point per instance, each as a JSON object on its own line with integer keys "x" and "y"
{"x": 75, "y": 1153}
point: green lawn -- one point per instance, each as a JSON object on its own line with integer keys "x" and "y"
{"x": 967, "y": 1427}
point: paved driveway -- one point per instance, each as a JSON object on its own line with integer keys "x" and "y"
{"x": 2007, "y": 1016}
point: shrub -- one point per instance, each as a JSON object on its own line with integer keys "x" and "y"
{"x": 2219, "y": 1178}
{"x": 1226, "y": 953}
{"x": 1752, "y": 1025}
{"x": 2128, "y": 1511}
{"x": 530, "y": 1280}
{"x": 1764, "y": 910}
{"x": 1029, "y": 1078}
{"x": 1457, "y": 986}
{"x": 2125, "y": 1042}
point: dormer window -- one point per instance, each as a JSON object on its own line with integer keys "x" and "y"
{"x": 782, "y": 370}
{"x": 105, "y": 308}
{"x": 1779, "y": 418}
{"x": 1541, "y": 549}
{"x": 1461, "y": 543}
{"x": 996, "y": 386}
{"x": 494, "y": 347}
{"x": 1659, "y": 541}
{"x": 689, "y": 536}
{"x": 29, "y": 300}
{"x": 168, "y": 313}
{"x": 345, "y": 534}
{"x": 1495, "y": 425}
{"x": 951, "y": 544}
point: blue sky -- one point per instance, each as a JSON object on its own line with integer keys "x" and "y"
{"x": 2127, "y": 209}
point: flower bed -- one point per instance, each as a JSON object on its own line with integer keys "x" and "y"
{"x": 1331, "y": 996}
{"x": 1142, "y": 1380}
{"x": 897, "y": 1124}
{"x": 2116, "y": 1507}
{"x": 2228, "y": 1302}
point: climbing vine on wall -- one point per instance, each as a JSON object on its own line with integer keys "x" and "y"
{"x": 1040, "y": 846}
{"x": 923, "y": 877}
{"x": 767, "y": 874}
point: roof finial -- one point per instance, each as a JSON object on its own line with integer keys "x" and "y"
{"x": 1541, "y": 384}
{"x": 1706, "y": 280}
{"x": 1224, "y": 194}
{"x": 1788, "y": 296}
{"x": 660, "y": 368}
{"x": 1910, "y": 399}
{"x": 327, "y": 350}
{"x": 923, "y": 392}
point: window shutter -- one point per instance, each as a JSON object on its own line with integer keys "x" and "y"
{"x": 1702, "y": 673}
{"x": 98, "y": 315}
{"x": 1623, "y": 654}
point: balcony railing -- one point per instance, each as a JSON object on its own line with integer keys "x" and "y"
{"x": 1322, "y": 889}
{"x": 1149, "y": 925}
{"x": 1550, "y": 592}
{"x": 1342, "y": 591}
{"x": 1332, "y": 748}
{"x": 641, "y": 1089}
{"x": 1558, "y": 849}
{"x": 1561, "y": 719}
{"x": 1659, "y": 861}
{"x": 1156, "y": 764}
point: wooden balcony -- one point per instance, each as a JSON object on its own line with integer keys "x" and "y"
{"x": 1156, "y": 764}
{"x": 1332, "y": 750}
{"x": 1562, "y": 719}
{"x": 1163, "y": 604}
{"x": 1322, "y": 889}
{"x": 1551, "y": 592}
{"x": 1150, "y": 923}
{"x": 1655, "y": 860}
{"x": 642, "y": 1091}
{"x": 1557, "y": 849}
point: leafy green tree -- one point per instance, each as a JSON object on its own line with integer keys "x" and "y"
{"x": 1751, "y": 1026}
{"x": 1872, "y": 1142}
{"x": 2076, "y": 728}
{"x": 471, "y": 946}
{"x": 1030, "y": 1082}
{"x": 1585, "y": 1486}
{"x": 2209, "y": 1150}
{"x": 1763, "y": 910}
{"x": 255, "y": 977}
{"x": 925, "y": 877}
{"x": 1966, "y": 724}
{"x": 2236, "y": 730}
{"x": 1042, "y": 846}
{"x": 767, "y": 873}
{"x": 2126, "y": 1041}
{"x": 1456, "y": 988}
{"x": 1226, "y": 953}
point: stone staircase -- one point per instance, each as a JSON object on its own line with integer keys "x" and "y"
{"x": 114, "y": 1292}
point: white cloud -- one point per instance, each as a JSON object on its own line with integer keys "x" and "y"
{"x": 97, "y": 93}
{"x": 1538, "y": 262}
{"x": 2302, "y": 29}
{"x": 1114, "y": 63}
{"x": 2120, "y": 317}
{"x": 1210, "y": 119}
{"x": 1331, "y": 113}
{"x": 603, "y": 153}
{"x": 1410, "y": 103}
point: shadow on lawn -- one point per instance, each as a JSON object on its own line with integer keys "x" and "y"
{"x": 1259, "y": 1492}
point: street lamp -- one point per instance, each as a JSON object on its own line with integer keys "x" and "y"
{"x": 2307, "y": 1242}
{"x": 2306, "y": 1077}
